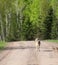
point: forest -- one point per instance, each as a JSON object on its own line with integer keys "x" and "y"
{"x": 28, "y": 19}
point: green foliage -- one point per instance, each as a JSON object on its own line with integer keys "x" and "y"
{"x": 54, "y": 33}
{"x": 28, "y": 19}
{"x": 53, "y": 41}
{"x": 48, "y": 24}
{"x": 2, "y": 44}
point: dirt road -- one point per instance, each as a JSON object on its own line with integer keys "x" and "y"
{"x": 25, "y": 53}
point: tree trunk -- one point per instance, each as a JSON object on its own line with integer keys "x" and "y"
{"x": 2, "y": 31}
{"x": 6, "y": 26}
{"x": 21, "y": 23}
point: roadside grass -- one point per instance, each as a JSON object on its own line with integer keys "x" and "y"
{"x": 2, "y": 44}
{"x": 53, "y": 41}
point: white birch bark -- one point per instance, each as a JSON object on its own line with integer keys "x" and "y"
{"x": 6, "y": 25}
{"x": 9, "y": 23}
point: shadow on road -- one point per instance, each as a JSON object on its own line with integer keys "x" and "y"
{"x": 18, "y": 47}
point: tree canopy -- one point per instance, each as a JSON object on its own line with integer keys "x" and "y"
{"x": 28, "y": 19}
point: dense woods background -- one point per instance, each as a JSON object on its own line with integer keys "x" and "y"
{"x": 28, "y": 19}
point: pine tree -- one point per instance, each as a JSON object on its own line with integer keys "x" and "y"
{"x": 48, "y": 24}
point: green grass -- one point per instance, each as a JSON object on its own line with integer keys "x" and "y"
{"x": 53, "y": 41}
{"x": 2, "y": 44}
